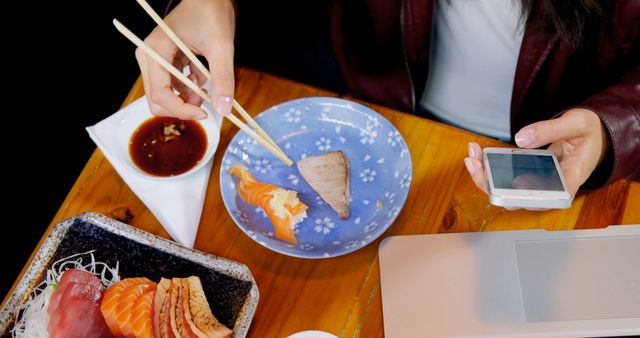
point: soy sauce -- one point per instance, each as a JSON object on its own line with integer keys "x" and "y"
{"x": 167, "y": 146}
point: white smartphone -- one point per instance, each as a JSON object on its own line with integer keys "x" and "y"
{"x": 525, "y": 178}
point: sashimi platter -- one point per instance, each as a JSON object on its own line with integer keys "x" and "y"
{"x": 96, "y": 277}
{"x": 349, "y": 181}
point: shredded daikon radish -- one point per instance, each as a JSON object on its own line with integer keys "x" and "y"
{"x": 32, "y": 317}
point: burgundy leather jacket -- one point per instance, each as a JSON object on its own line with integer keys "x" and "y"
{"x": 383, "y": 49}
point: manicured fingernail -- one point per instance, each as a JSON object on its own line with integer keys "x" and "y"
{"x": 525, "y": 137}
{"x": 472, "y": 151}
{"x": 224, "y": 105}
{"x": 200, "y": 116}
{"x": 469, "y": 164}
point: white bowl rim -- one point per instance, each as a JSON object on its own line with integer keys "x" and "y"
{"x": 129, "y": 122}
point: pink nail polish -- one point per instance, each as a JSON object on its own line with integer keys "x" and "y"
{"x": 472, "y": 151}
{"x": 525, "y": 138}
{"x": 469, "y": 164}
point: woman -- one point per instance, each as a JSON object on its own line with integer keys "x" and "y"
{"x": 559, "y": 73}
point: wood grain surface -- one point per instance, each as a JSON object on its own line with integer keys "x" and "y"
{"x": 342, "y": 295}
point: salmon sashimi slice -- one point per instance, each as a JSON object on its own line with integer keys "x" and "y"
{"x": 175, "y": 293}
{"x": 160, "y": 307}
{"x": 142, "y": 315}
{"x": 328, "y": 176}
{"x": 183, "y": 299}
{"x": 164, "y": 318}
{"x": 282, "y": 206}
{"x": 111, "y": 300}
{"x": 128, "y": 298}
{"x": 198, "y": 312}
{"x": 119, "y": 300}
{"x": 166, "y": 330}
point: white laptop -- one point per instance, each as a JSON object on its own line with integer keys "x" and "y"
{"x": 533, "y": 283}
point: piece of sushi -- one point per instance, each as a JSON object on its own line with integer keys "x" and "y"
{"x": 282, "y": 206}
{"x": 328, "y": 175}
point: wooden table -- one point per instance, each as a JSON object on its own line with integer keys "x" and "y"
{"x": 342, "y": 295}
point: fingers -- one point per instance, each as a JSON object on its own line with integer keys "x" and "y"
{"x": 573, "y": 174}
{"x": 571, "y": 124}
{"x": 533, "y": 182}
{"x": 164, "y": 100}
{"x": 207, "y": 28}
{"x": 219, "y": 50}
{"x": 475, "y": 151}
{"x": 160, "y": 90}
{"x": 195, "y": 75}
{"x": 525, "y": 182}
{"x": 157, "y": 81}
{"x": 557, "y": 149}
{"x": 220, "y": 59}
{"x": 180, "y": 61}
{"x": 186, "y": 94}
{"x": 192, "y": 98}
{"x": 143, "y": 63}
{"x": 475, "y": 167}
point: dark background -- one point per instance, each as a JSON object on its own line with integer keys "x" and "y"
{"x": 69, "y": 68}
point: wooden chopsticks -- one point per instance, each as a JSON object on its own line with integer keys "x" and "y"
{"x": 259, "y": 135}
{"x": 189, "y": 54}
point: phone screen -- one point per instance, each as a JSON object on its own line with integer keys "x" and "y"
{"x": 523, "y": 171}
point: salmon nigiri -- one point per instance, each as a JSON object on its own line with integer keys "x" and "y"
{"x": 282, "y": 206}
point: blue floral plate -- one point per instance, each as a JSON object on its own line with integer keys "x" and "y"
{"x": 379, "y": 170}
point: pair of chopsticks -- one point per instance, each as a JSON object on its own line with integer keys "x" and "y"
{"x": 259, "y": 134}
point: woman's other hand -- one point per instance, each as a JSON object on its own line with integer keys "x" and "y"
{"x": 577, "y": 138}
{"x": 207, "y": 28}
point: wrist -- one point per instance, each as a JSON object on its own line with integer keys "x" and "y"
{"x": 601, "y": 131}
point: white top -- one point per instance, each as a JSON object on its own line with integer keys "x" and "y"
{"x": 473, "y": 64}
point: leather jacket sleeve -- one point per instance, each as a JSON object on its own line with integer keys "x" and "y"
{"x": 619, "y": 110}
{"x": 618, "y": 107}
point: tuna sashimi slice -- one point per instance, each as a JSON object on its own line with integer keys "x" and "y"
{"x": 328, "y": 175}
{"x": 75, "y": 307}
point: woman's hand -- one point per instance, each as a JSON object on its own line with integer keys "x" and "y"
{"x": 207, "y": 28}
{"x": 577, "y": 138}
